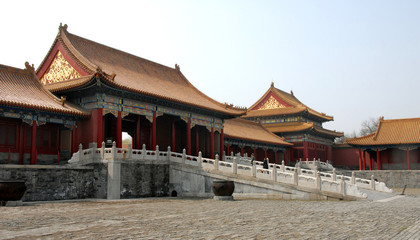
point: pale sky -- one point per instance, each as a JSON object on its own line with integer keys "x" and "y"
{"x": 349, "y": 59}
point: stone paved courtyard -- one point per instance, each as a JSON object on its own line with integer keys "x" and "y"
{"x": 172, "y": 218}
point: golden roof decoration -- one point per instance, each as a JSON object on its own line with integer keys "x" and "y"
{"x": 59, "y": 70}
{"x": 271, "y": 103}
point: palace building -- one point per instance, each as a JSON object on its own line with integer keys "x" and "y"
{"x": 394, "y": 145}
{"x": 84, "y": 92}
{"x": 284, "y": 115}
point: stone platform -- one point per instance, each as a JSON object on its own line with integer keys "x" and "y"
{"x": 174, "y": 218}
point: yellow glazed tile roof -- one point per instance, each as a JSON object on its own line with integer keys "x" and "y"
{"x": 21, "y": 88}
{"x": 300, "y": 126}
{"x": 135, "y": 74}
{"x": 391, "y": 132}
{"x": 251, "y": 131}
{"x": 293, "y": 106}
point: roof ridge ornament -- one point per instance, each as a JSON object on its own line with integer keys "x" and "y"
{"x": 64, "y": 27}
{"x": 272, "y": 84}
{"x": 291, "y": 92}
{"x": 29, "y": 67}
{"x": 177, "y": 68}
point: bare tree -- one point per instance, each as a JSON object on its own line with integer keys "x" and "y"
{"x": 369, "y": 126}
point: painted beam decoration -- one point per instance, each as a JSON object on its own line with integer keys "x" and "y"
{"x": 40, "y": 118}
{"x": 112, "y": 104}
{"x": 237, "y": 142}
{"x": 59, "y": 70}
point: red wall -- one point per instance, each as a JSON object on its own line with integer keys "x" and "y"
{"x": 87, "y": 130}
{"x": 345, "y": 157}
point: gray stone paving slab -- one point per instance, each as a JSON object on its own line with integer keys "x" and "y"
{"x": 171, "y": 218}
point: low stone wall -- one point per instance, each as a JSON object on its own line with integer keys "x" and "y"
{"x": 393, "y": 178}
{"x": 47, "y": 182}
{"x": 144, "y": 179}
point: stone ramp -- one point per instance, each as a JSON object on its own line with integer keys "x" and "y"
{"x": 378, "y": 196}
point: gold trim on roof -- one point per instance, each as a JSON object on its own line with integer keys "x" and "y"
{"x": 271, "y": 103}
{"x": 60, "y": 70}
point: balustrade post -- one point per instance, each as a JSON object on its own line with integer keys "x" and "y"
{"x": 129, "y": 151}
{"x": 169, "y": 153}
{"x": 334, "y": 175}
{"x": 114, "y": 150}
{"x": 94, "y": 148}
{"x": 372, "y": 182}
{"x": 184, "y": 155}
{"x": 200, "y": 159}
{"x": 343, "y": 186}
{"x": 216, "y": 162}
{"x": 282, "y": 166}
{"x": 296, "y": 177}
{"x": 298, "y": 168}
{"x": 353, "y": 178}
{"x": 143, "y": 152}
{"x": 274, "y": 172}
{"x": 103, "y": 150}
{"x": 254, "y": 169}
{"x": 235, "y": 165}
{"x": 157, "y": 152}
{"x": 315, "y": 170}
{"x": 80, "y": 152}
{"x": 318, "y": 179}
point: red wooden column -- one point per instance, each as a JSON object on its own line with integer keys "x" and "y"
{"x": 228, "y": 150}
{"x": 173, "y": 136}
{"x": 305, "y": 151}
{"x": 119, "y": 130}
{"x": 73, "y": 140}
{"x": 154, "y": 131}
{"x": 22, "y": 140}
{"x": 360, "y": 160}
{"x": 100, "y": 135}
{"x": 138, "y": 132}
{"x": 363, "y": 160}
{"x": 197, "y": 140}
{"x": 33, "y": 143}
{"x": 255, "y": 153}
{"x": 275, "y": 157}
{"x": 265, "y": 153}
{"x": 370, "y": 161}
{"x": 212, "y": 143}
{"x": 189, "y": 136}
{"x": 242, "y": 150}
{"x": 408, "y": 159}
{"x": 222, "y": 144}
{"x": 378, "y": 160}
{"x": 316, "y": 151}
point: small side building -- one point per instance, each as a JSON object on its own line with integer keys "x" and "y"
{"x": 394, "y": 146}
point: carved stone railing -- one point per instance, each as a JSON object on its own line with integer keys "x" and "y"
{"x": 326, "y": 166}
{"x": 241, "y": 166}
